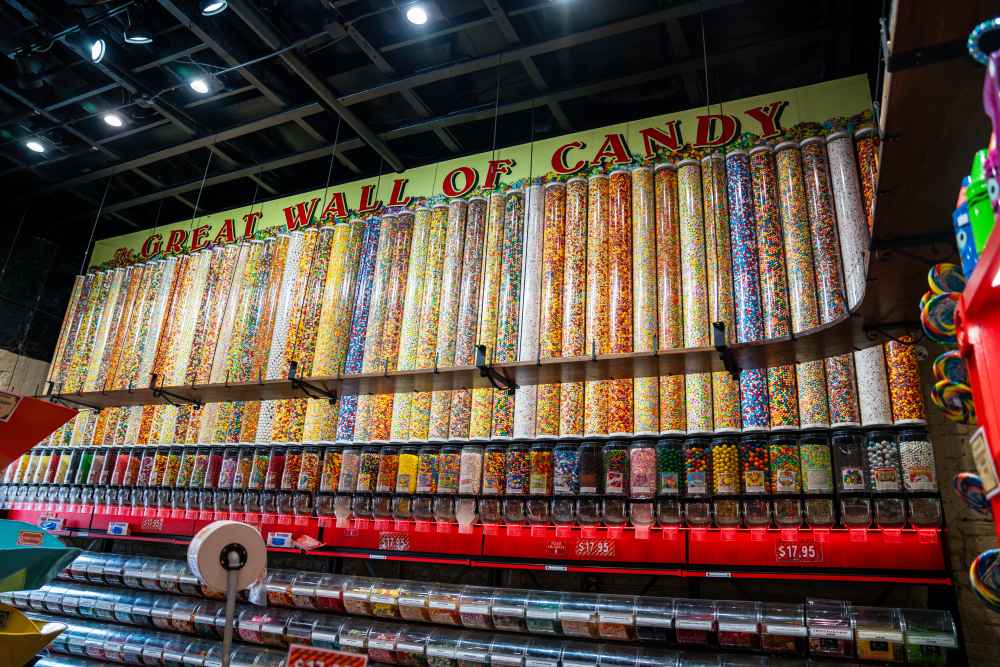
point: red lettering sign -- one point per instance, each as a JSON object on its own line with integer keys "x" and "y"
{"x": 450, "y": 185}
{"x": 300, "y": 214}
{"x": 716, "y": 130}
{"x": 227, "y": 234}
{"x": 559, "y": 159}
{"x": 768, "y": 117}
{"x": 397, "y": 198}
{"x": 653, "y": 137}
{"x": 199, "y": 237}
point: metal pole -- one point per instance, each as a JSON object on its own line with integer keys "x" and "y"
{"x": 233, "y": 577}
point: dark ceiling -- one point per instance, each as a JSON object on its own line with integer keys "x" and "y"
{"x": 406, "y": 95}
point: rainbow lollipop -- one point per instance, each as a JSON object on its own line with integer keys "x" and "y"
{"x": 945, "y": 277}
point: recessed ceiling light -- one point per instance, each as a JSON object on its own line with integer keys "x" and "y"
{"x": 213, "y": 7}
{"x": 416, "y": 15}
{"x": 35, "y": 146}
{"x": 199, "y": 86}
{"x": 113, "y": 119}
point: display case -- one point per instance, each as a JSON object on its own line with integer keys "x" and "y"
{"x": 878, "y": 633}
{"x": 929, "y": 636}
{"x": 591, "y": 483}
{"x": 738, "y": 625}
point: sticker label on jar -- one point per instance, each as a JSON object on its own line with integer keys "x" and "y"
{"x": 588, "y": 489}
{"x": 786, "y": 481}
{"x": 621, "y": 619}
{"x": 880, "y": 635}
{"x": 442, "y": 604}
{"x": 654, "y": 621}
{"x": 545, "y": 614}
{"x": 830, "y": 633}
{"x": 411, "y": 602}
{"x": 584, "y": 616}
{"x": 932, "y": 639}
{"x": 440, "y": 652}
{"x": 692, "y": 625}
{"x": 407, "y": 647}
{"x": 579, "y": 663}
{"x": 920, "y": 478}
{"x": 886, "y": 479}
{"x": 473, "y": 609}
{"x": 356, "y": 642}
{"x": 697, "y": 483}
{"x": 614, "y": 482}
{"x": 669, "y": 483}
{"x": 755, "y": 481}
{"x": 852, "y": 479}
{"x": 726, "y": 482}
{"x": 473, "y": 656}
{"x": 383, "y": 599}
{"x": 384, "y": 644}
{"x": 818, "y": 480}
{"x": 785, "y": 630}
{"x": 737, "y": 627}
{"x": 499, "y": 610}
{"x": 540, "y": 662}
{"x": 502, "y": 659}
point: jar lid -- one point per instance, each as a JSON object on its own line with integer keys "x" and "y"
{"x": 697, "y": 441}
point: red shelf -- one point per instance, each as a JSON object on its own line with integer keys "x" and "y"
{"x": 912, "y": 556}
{"x": 837, "y": 549}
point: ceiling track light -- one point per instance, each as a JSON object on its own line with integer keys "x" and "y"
{"x": 200, "y": 85}
{"x": 213, "y": 7}
{"x": 35, "y": 146}
{"x": 416, "y": 14}
{"x": 138, "y": 30}
{"x": 113, "y": 119}
{"x": 94, "y": 45}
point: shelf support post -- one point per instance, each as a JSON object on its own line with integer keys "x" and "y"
{"x": 497, "y": 379}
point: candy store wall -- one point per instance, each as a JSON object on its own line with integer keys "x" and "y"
{"x": 969, "y": 534}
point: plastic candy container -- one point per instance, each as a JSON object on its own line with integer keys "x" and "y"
{"x": 669, "y": 481}
{"x": 882, "y": 462}
{"x": 616, "y": 617}
{"x": 694, "y": 622}
{"x": 542, "y": 612}
{"x": 738, "y": 624}
{"x": 785, "y": 465}
{"x": 849, "y": 478}
{"x": 817, "y": 478}
{"x": 591, "y": 483}
{"x": 474, "y": 608}
{"x": 783, "y": 629}
{"x": 614, "y": 458}
{"x": 916, "y": 455}
{"x": 518, "y": 478}
{"x": 697, "y": 481}
{"x": 879, "y": 634}
{"x": 565, "y": 482}
{"x": 578, "y": 616}
{"x": 508, "y": 610}
{"x": 929, "y": 635}
{"x": 494, "y": 483}
{"x": 427, "y": 483}
{"x": 642, "y": 482}
{"x": 829, "y": 626}
{"x": 540, "y": 483}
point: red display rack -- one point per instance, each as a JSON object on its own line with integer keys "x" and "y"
{"x": 901, "y": 555}
{"x": 835, "y": 549}
{"x": 978, "y": 323}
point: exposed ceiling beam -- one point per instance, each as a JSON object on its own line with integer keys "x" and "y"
{"x": 257, "y": 23}
{"x": 487, "y": 111}
{"x": 384, "y": 66}
{"x": 193, "y": 144}
{"x": 528, "y": 51}
{"x": 510, "y": 34}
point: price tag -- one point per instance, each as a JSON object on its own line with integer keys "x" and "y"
{"x": 472, "y": 656}
{"x": 500, "y": 610}
{"x": 578, "y": 663}
{"x": 737, "y": 627}
{"x": 540, "y": 662}
{"x": 620, "y": 619}
{"x": 798, "y": 552}
{"x": 51, "y": 523}
{"x": 440, "y": 652}
{"x": 407, "y": 647}
{"x": 831, "y": 633}
{"x": 382, "y": 599}
{"x": 935, "y": 639}
{"x": 654, "y": 621}
{"x": 582, "y": 616}
{"x": 481, "y": 609}
{"x": 544, "y": 614}
{"x": 356, "y": 642}
{"x": 384, "y": 644}
{"x": 411, "y": 602}
{"x": 442, "y": 604}
{"x": 693, "y": 625}
{"x": 880, "y": 635}
{"x": 311, "y": 656}
{"x": 555, "y": 568}
{"x": 785, "y": 630}
{"x": 503, "y": 659}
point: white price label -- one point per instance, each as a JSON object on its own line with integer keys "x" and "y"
{"x": 481, "y": 609}
{"x": 654, "y": 621}
{"x": 499, "y": 610}
{"x": 880, "y": 636}
{"x": 442, "y": 604}
{"x": 831, "y": 633}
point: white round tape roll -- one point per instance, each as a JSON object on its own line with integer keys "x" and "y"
{"x": 204, "y": 554}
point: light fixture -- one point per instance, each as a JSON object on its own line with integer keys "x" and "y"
{"x": 416, "y": 14}
{"x": 138, "y": 31}
{"x": 199, "y": 85}
{"x": 113, "y": 119}
{"x": 213, "y": 7}
{"x": 98, "y": 49}
{"x": 35, "y": 145}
